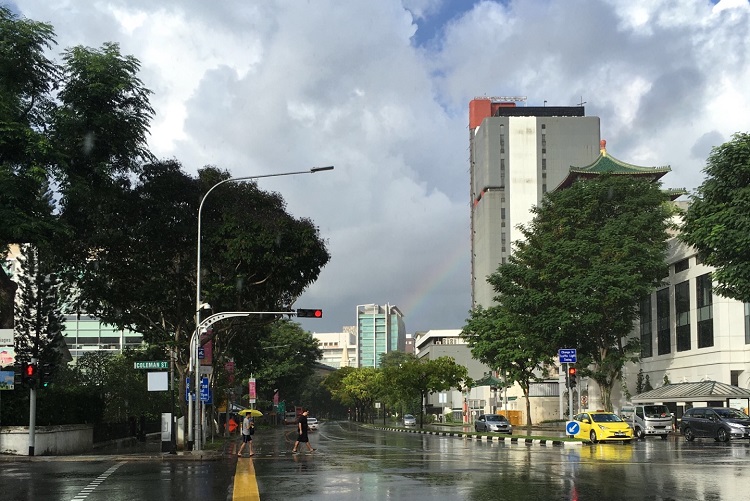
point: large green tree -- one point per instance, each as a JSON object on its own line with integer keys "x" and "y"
{"x": 501, "y": 338}
{"x": 591, "y": 252}
{"x": 717, "y": 222}
{"x": 418, "y": 377}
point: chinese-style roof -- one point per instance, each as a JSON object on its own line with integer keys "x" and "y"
{"x": 607, "y": 164}
{"x": 692, "y": 392}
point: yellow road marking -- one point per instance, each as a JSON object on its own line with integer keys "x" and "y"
{"x": 245, "y": 484}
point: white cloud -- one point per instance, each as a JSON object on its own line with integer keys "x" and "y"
{"x": 275, "y": 86}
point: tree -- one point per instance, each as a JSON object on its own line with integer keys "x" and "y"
{"x": 717, "y": 222}
{"x": 500, "y": 338}
{"x": 39, "y": 319}
{"x": 27, "y": 77}
{"x": 589, "y": 255}
{"x": 419, "y": 377}
{"x": 361, "y": 386}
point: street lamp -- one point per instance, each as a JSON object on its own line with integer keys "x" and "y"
{"x": 200, "y": 305}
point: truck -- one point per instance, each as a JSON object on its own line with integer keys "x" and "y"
{"x": 648, "y": 420}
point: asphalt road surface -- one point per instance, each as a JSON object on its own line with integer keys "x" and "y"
{"x": 356, "y": 463}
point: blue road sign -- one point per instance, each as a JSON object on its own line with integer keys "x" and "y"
{"x": 572, "y": 427}
{"x": 205, "y": 390}
{"x": 567, "y": 355}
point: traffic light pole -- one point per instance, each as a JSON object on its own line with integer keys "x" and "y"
{"x": 570, "y": 392}
{"x": 32, "y": 413}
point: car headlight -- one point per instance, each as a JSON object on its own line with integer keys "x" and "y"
{"x": 736, "y": 426}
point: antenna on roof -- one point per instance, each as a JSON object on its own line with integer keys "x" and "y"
{"x": 582, "y": 102}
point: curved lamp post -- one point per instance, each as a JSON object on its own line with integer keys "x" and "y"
{"x": 199, "y": 305}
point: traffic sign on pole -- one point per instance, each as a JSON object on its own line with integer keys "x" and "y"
{"x": 567, "y": 355}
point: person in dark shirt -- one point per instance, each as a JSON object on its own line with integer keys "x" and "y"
{"x": 302, "y": 430}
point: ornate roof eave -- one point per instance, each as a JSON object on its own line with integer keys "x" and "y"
{"x": 607, "y": 164}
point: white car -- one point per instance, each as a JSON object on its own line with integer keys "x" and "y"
{"x": 410, "y": 420}
{"x": 312, "y": 423}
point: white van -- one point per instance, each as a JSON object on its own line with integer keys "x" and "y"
{"x": 648, "y": 420}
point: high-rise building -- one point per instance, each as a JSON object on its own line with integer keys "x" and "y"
{"x": 517, "y": 154}
{"x": 380, "y": 329}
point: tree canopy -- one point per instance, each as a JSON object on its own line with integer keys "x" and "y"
{"x": 591, "y": 252}
{"x": 717, "y": 222}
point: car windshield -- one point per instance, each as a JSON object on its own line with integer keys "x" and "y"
{"x": 605, "y": 418}
{"x": 495, "y": 417}
{"x": 731, "y": 413}
{"x": 408, "y": 416}
{"x": 655, "y": 411}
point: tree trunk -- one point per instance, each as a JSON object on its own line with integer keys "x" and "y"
{"x": 528, "y": 406}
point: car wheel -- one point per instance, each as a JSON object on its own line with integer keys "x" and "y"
{"x": 689, "y": 437}
{"x": 592, "y": 436}
{"x": 722, "y": 435}
{"x": 476, "y": 427}
{"x": 639, "y": 433}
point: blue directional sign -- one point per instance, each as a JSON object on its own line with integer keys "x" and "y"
{"x": 572, "y": 428}
{"x": 205, "y": 391}
{"x": 567, "y": 355}
{"x": 187, "y": 390}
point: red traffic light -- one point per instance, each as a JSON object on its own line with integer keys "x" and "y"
{"x": 571, "y": 371}
{"x": 310, "y": 313}
{"x": 30, "y": 370}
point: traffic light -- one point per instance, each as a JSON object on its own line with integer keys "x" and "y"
{"x": 309, "y": 313}
{"x": 28, "y": 374}
{"x": 571, "y": 376}
{"x": 45, "y": 375}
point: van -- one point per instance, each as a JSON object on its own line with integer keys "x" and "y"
{"x": 648, "y": 420}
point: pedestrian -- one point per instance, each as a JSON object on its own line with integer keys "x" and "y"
{"x": 302, "y": 433}
{"x": 248, "y": 430}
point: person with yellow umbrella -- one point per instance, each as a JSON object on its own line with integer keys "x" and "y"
{"x": 248, "y": 429}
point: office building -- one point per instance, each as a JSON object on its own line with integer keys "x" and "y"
{"x": 339, "y": 348}
{"x": 517, "y": 154}
{"x": 380, "y": 329}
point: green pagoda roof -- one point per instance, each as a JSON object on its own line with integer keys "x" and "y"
{"x": 607, "y": 164}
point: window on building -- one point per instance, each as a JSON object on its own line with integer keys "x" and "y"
{"x": 682, "y": 311}
{"x": 681, "y": 265}
{"x": 663, "y": 341}
{"x": 544, "y": 164}
{"x": 647, "y": 349}
{"x": 704, "y": 296}
{"x": 544, "y": 188}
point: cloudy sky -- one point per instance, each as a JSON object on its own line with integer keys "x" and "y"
{"x": 381, "y": 88}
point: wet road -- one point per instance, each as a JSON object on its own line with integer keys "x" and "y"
{"x": 355, "y": 463}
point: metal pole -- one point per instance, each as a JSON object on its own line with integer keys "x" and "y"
{"x": 32, "y": 412}
{"x": 198, "y": 303}
{"x": 570, "y": 393}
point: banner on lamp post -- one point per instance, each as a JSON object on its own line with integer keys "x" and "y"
{"x": 251, "y": 393}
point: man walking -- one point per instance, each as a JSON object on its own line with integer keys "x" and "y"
{"x": 302, "y": 430}
{"x": 248, "y": 429}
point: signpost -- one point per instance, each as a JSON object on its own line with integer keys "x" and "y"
{"x": 160, "y": 364}
{"x": 568, "y": 356}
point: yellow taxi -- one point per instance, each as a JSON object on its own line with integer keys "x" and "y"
{"x": 602, "y": 426}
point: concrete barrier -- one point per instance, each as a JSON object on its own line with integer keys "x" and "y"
{"x": 48, "y": 440}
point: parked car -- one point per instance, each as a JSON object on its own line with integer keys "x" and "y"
{"x": 719, "y": 423}
{"x": 493, "y": 422}
{"x": 312, "y": 423}
{"x": 410, "y": 420}
{"x": 602, "y": 426}
{"x": 648, "y": 420}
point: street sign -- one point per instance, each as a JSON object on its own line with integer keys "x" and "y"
{"x": 572, "y": 428}
{"x": 567, "y": 355}
{"x": 187, "y": 390}
{"x": 152, "y": 364}
{"x": 205, "y": 391}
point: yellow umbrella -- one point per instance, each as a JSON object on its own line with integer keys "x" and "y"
{"x": 252, "y": 412}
